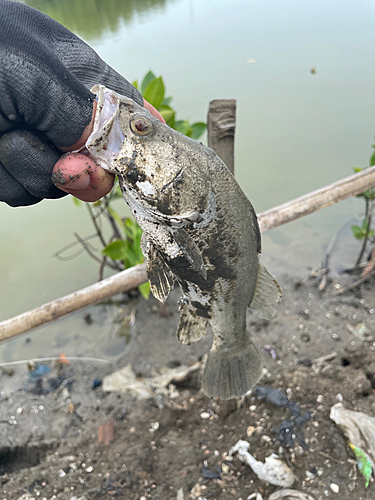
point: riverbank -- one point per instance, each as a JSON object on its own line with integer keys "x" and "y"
{"x": 318, "y": 350}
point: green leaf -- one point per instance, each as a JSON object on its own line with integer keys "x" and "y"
{"x": 357, "y": 169}
{"x": 358, "y": 232}
{"x": 372, "y": 159}
{"x": 135, "y": 84}
{"x": 76, "y": 201}
{"x": 115, "y": 250}
{"x": 363, "y": 463}
{"x": 168, "y": 114}
{"x": 112, "y": 212}
{"x": 182, "y": 126}
{"x": 145, "y": 290}
{"x": 166, "y": 101}
{"x": 146, "y": 81}
{"x": 198, "y": 129}
{"x": 154, "y": 92}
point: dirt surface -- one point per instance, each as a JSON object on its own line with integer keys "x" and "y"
{"x": 50, "y": 424}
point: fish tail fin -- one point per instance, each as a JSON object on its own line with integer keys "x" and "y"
{"x": 232, "y": 372}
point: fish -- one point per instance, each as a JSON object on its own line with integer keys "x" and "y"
{"x": 199, "y": 230}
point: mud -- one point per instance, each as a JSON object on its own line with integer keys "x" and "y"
{"x": 49, "y": 430}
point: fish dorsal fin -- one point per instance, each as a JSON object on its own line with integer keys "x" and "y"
{"x": 159, "y": 275}
{"x": 190, "y": 250}
{"x": 267, "y": 295}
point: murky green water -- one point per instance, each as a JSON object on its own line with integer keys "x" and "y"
{"x": 296, "y": 131}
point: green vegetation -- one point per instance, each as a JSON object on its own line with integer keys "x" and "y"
{"x": 364, "y": 231}
{"x": 121, "y": 249}
{"x": 91, "y": 19}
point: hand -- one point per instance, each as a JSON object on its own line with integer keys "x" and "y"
{"x": 80, "y": 175}
{"x": 45, "y": 105}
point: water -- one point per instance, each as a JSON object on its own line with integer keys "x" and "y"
{"x": 296, "y": 131}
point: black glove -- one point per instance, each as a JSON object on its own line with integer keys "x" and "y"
{"x": 45, "y": 76}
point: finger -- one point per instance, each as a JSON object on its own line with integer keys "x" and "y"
{"x": 86, "y": 133}
{"x": 27, "y": 163}
{"x": 81, "y": 176}
{"x": 153, "y": 110}
{"x": 11, "y": 191}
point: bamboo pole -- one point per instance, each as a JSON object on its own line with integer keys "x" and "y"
{"x": 130, "y": 278}
{"x": 120, "y": 282}
{"x": 316, "y": 200}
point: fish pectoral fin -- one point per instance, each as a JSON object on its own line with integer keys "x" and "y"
{"x": 159, "y": 275}
{"x": 190, "y": 251}
{"x": 267, "y": 295}
{"x": 191, "y": 327}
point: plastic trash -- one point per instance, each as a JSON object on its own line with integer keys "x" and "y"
{"x": 180, "y": 494}
{"x": 273, "y": 471}
{"x": 290, "y": 494}
{"x": 359, "y": 428}
{"x": 124, "y": 380}
{"x": 209, "y": 474}
{"x": 289, "y": 427}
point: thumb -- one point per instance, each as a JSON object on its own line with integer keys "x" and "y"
{"x": 79, "y": 174}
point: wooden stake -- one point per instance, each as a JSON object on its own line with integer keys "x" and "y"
{"x": 221, "y": 124}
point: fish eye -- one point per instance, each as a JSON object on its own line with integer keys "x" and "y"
{"x": 141, "y": 125}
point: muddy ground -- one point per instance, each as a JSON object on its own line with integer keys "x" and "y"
{"x": 50, "y": 424}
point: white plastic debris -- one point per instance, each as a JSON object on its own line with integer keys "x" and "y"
{"x": 290, "y": 495}
{"x": 360, "y": 331}
{"x": 273, "y": 471}
{"x": 358, "y": 427}
{"x": 180, "y": 494}
{"x": 125, "y": 380}
{"x": 255, "y": 496}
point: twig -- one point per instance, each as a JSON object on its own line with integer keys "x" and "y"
{"x": 341, "y": 462}
{"x": 71, "y": 245}
{"x": 327, "y": 357}
{"x": 54, "y": 358}
{"x": 354, "y": 284}
{"x": 93, "y": 256}
{"x": 98, "y": 230}
{"x": 368, "y": 217}
{"x": 370, "y": 264}
{"x": 101, "y": 269}
{"x": 313, "y": 274}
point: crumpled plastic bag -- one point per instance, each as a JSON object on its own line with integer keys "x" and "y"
{"x": 288, "y": 494}
{"x": 273, "y": 471}
{"x": 125, "y": 380}
{"x": 359, "y": 428}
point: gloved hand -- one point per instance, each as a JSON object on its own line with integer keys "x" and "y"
{"x": 45, "y": 103}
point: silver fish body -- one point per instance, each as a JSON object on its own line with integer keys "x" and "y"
{"x": 199, "y": 230}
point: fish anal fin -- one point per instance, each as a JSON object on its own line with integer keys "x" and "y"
{"x": 232, "y": 373}
{"x": 267, "y": 295}
{"x": 159, "y": 275}
{"x": 190, "y": 251}
{"x": 191, "y": 327}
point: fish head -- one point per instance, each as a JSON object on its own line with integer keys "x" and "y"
{"x": 155, "y": 163}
